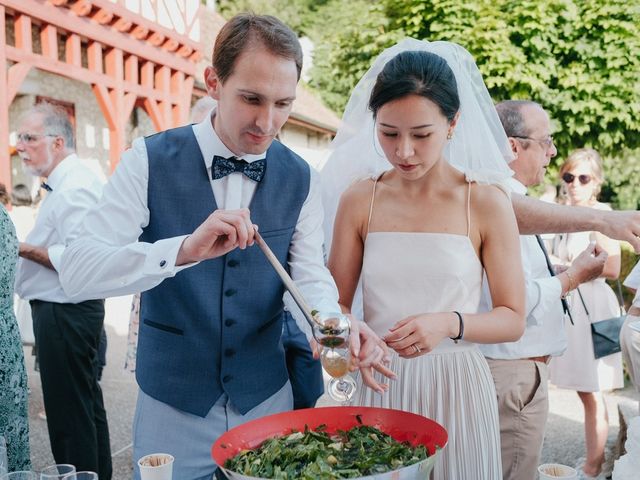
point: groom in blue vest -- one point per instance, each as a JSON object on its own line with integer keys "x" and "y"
{"x": 177, "y": 221}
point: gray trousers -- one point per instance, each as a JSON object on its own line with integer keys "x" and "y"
{"x": 523, "y": 407}
{"x": 160, "y": 428}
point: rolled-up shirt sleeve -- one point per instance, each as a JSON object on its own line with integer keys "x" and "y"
{"x": 543, "y": 296}
{"x": 633, "y": 279}
{"x": 542, "y": 291}
{"x": 105, "y": 258}
{"x": 306, "y": 259}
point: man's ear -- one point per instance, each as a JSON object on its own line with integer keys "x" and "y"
{"x": 515, "y": 146}
{"x": 58, "y": 144}
{"x": 212, "y": 82}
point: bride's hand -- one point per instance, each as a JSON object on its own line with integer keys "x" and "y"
{"x": 419, "y": 334}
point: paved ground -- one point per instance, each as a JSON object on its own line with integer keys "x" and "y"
{"x": 564, "y": 442}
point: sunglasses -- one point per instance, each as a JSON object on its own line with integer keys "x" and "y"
{"x": 570, "y": 177}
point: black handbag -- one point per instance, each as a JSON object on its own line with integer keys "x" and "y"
{"x": 605, "y": 334}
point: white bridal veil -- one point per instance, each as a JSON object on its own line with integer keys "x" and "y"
{"x": 479, "y": 146}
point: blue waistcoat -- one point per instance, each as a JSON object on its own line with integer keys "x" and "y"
{"x": 215, "y": 327}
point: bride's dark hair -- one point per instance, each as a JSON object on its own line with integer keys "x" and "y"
{"x": 417, "y": 73}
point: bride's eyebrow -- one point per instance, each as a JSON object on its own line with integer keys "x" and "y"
{"x": 412, "y": 128}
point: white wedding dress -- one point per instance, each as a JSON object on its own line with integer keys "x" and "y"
{"x": 407, "y": 273}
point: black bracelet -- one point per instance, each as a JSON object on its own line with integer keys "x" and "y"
{"x": 461, "y": 328}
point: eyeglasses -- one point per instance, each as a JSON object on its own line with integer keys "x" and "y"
{"x": 570, "y": 177}
{"x": 546, "y": 142}
{"x": 30, "y": 138}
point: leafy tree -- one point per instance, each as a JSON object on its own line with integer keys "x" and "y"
{"x": 579, "y": 58}
{"x": 297, "y": 14}
{"x": 346, "y": 42}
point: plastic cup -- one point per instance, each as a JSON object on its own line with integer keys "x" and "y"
{"x": 21, "y": 475}
{"x": 157, "y": 466}
{"x": 57, "y": 472}
{"x": 555, "y": 471}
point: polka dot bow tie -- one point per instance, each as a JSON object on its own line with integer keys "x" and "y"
{"x": 222, "y": 167}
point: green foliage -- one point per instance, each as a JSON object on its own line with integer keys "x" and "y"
{"x": 579, "y": 58}
{"x": 346, "y": 42}
{"x": 298, "y": 14}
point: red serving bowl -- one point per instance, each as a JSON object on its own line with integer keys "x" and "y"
{"x": 402, "y": 426}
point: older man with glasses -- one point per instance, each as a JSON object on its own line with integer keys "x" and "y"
{"x": 520, "y": 369}
{"x": 67, "y": 333}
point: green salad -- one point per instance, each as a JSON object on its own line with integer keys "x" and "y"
{"x": 316, "y": 455}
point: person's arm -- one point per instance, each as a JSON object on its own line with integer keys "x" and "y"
{"x": 106, "y": 258}
{"x": 535, "y": 216}
{"x": 542, "y": 294}
{"x": 35, "y": 254}
{"x": 611, "y": 269}
{"x": 345, "y": 265}
{"x": 500, "y": 255}
{"x": 306, "y": 256}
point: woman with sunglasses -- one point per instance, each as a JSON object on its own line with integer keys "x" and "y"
{"x": 578, "y": 369}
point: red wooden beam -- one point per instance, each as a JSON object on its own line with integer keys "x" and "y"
{"x": 123, "y": 25}
{"x": 104, "y": 102}
{"x": 78, "y": 73}
{"x": 5, "y": 156}
{"x": 94, "y": 57}
{"x": 15, "y": 76}
{"x": 49, "y": 41}
{"x": 82, "y": 8}
{"x": 23, "y": 32}
{"x": 102, "y": 16}
{"x": 131, "y": 69}
{"x": 73, "y": 50}
{"x": 148, "y": 74}
{"x": 119, "y": 10}
{"x": 156, "y": 39}
{"x": 152, "y": 109}
{"x": 65, "y": 20}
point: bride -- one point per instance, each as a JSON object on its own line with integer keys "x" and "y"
{"x": 420, "y": 232}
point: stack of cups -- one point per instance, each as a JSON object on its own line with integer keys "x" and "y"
{"x": 157, "y": 466}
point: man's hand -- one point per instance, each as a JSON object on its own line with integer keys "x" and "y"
{"x": 624, "y": 225}
{"x": 589, "y": 264}
{"x": 221, "y": 232}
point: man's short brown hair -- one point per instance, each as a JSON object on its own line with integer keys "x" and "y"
{"x": 249, "y": 30}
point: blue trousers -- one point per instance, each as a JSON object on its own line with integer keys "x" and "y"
{"x": 305, "y": 373}
{"x": 160, "y": 428}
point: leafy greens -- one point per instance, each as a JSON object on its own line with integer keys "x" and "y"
{"x": 315, "y": 455}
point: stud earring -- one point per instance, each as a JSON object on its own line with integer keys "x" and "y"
{"x": 449, "y": 135}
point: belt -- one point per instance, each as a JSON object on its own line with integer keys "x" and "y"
{"x": 542, "y": 358}
{"x": 634, "y": 311}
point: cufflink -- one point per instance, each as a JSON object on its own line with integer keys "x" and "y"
{"x": 163, "y": 263}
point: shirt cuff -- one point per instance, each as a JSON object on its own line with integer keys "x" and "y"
{"x": 550, "y": 291}
{"x": 162, "y": 256}
{"x": 55, "y": 255}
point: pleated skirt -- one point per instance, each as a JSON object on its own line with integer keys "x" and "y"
{"x": 454, "y": 388}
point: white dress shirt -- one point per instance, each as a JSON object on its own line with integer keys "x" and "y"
{"x": 545, "y": 332}
{"x": 75, "y": 190}
{"x": 108, "y": 260}
{"x": 633, "y": 281}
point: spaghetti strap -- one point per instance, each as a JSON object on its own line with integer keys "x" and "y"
{"x": 468, "y": 208}
{"x": 373, "y": 196}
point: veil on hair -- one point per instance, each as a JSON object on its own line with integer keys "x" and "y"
{"x": 479, "y": 146}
